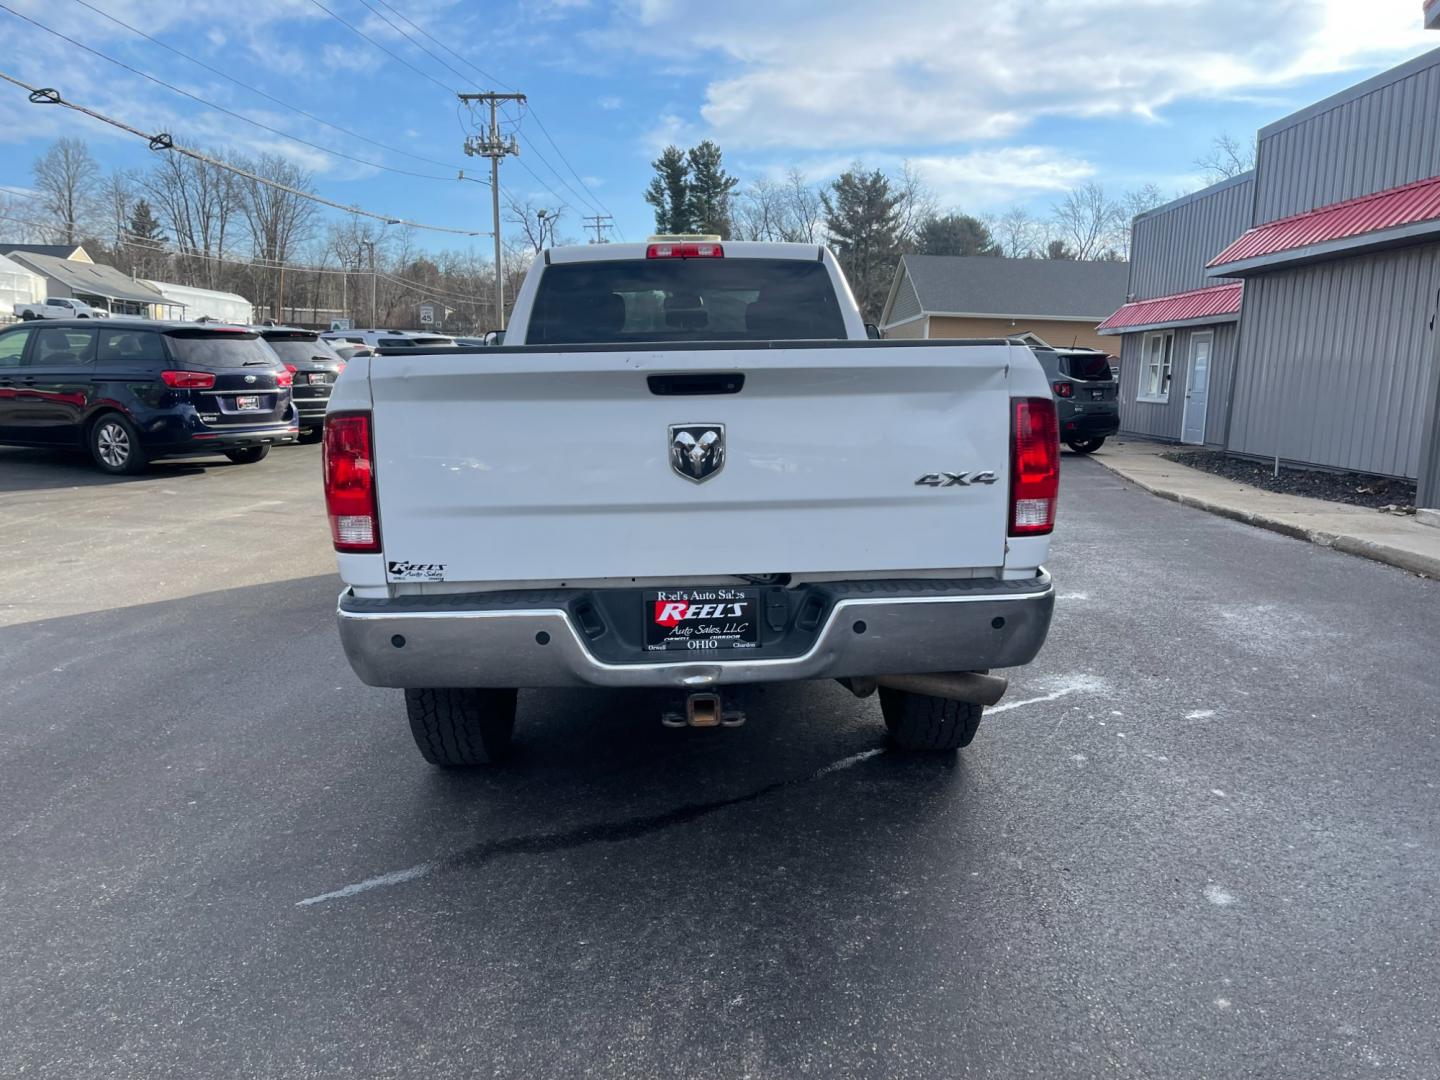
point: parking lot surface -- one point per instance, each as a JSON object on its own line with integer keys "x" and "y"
{"x": 1198, "y": 838}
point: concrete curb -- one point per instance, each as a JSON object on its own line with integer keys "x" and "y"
{"x": 1412, "y": 561}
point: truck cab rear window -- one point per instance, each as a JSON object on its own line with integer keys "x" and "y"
{"x": 603, "y": 303}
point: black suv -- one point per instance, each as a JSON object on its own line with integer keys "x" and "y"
{"x": 1085, "y": 396}
{"x": 314, "y": 364}
{"x": 132, "y": 390}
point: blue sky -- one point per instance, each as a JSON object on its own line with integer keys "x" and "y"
{"x": 997, "y": 102}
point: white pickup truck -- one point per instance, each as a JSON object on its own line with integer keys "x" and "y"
{"x": 59, "y": 307}
{"x": 689, "y": 468}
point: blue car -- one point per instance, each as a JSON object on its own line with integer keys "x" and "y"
{"x": 130, "y": 391}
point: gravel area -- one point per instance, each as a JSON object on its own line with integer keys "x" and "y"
{"x": 1356, "y": 489}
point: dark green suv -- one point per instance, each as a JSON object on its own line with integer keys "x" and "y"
{"x": 1086, "y": 396}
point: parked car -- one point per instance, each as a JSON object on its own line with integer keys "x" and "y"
{"x": 1086, "y": 395}
{"x": 690, "y": 469}
{"x": 347, "y": 351}
{"x": 59, "y": 307}
{"x": 132, "y": 391}
{"x": 391, "y": 339}
{"x": 314, "y": 364}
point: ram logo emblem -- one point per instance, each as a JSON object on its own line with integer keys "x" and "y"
{"x": 697, "y": 451}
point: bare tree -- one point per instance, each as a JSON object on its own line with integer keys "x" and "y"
{"x": 117, "y": 195}
{"x": 537, "y": 223}
{"x": 1085, "y": 221}
{"x": 916, "y": 206}
{"x": 18, "y": 221}
{"x": 758, "y": 211}
{"x": 1020, "y": 236}
{"x": 197, "y": 202}
{"x": 279, "y": 220}
{"x": 1132, "y": 204}
{"x": 804, "y": 210}
{"x": 68, "y": 180}
{"x": 1226, "y": 157}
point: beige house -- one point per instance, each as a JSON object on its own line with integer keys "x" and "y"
{"x": 1060, "y": 301}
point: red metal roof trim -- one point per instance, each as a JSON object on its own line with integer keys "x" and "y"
{"x": 1182, "y": 307}
{"x": 1406, "y": 205}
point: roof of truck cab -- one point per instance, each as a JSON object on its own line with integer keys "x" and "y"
{"x": 734, "y": 249}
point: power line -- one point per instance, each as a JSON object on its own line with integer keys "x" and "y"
{"x": 218, "y": 108}
{"x": 594, "y": 199}
{"x": 360, "y": 33}
{"x": 600, "y": 224}
{"x": 163, "y": 141}
{"x": 467, "y": 79}
{"x": 256, "y": 90}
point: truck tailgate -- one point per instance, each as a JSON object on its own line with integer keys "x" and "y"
{"x": 529, "y": 465}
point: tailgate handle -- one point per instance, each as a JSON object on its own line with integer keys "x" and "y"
{"x": 696, "y": 384}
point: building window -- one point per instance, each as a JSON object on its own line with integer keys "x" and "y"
{"x": 1157, "y": 357}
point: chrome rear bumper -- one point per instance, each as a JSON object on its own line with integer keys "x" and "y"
{"x": 388, "y": 645}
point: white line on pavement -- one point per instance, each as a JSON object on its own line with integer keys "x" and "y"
{"x": 1074, "y": 685}
{"x": 398, "y": 877}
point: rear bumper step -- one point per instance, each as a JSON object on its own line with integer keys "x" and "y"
{"x": 401, "y": 644}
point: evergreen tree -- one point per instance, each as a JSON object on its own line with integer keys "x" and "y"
{"x": 709, "y": 191}
{"x": 955, "y": 234}
{"x": 861, "y": 215}
{"x": 1058, "y": 249}
{"x": 669, "y": 192}
{"x": 145, "y": 226}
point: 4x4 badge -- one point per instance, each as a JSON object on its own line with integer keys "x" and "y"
{"x": 697, "y": 451}
{"x": 956, "y": 479}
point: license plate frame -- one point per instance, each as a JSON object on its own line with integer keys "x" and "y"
{"x": 319, "y": 378}
{"x": 714, "y": 619}
{"x": 1097, "y": 395}
{"x": 247, "y": 402}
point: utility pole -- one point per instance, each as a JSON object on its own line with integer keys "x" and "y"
{"x": 600, "y": 222}
{"x": 371, "y": 245}
{"x": 490, "y": 144}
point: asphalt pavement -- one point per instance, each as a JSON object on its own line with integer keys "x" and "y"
{"x": 1198, "y": 838}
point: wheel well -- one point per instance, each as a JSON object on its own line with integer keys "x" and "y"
{"x": 94, "y": 418}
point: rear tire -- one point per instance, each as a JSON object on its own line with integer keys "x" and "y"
{"x": 114, "y": 445}
{"x": 249, "y": 455}
{"x": 922, "y": 722}
{"x": 1086, "y": 446}
{"x": 461, "y": 728}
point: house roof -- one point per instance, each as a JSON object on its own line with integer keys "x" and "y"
{"x": 1405, "y": 214}
{"x": 986, "y": 286}
{"x": 90, "y": 279}
{"x": 1218, "y": 303}
{"x": 59, "y": 251}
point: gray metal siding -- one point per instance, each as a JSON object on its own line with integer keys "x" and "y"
{"x": 1385, "y": 137}
{"x": 1170, "y": 246}
{"x": 1335, "y": 360}
{"x": 1162, "y": 420}
{"x": 907, "y": 304}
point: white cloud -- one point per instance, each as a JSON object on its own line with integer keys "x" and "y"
{"x": 937, "y": 72}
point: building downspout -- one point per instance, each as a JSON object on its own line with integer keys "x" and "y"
{"x": 1427, "y": 484}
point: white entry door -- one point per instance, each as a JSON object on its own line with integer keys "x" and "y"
{"x": 1197, "y": 389}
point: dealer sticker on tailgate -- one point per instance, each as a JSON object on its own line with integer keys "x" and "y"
{"x": 702, "y": 619}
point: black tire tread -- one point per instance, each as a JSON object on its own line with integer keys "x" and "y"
{"x": 461, "y": 728}
{"x": 139, "y": 459}
{"x": 922, "y": 722}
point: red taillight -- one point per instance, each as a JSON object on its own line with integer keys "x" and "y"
{"x": 188, "y": 380}
{"x": 286, "y": 377}
{"x": 339, "y": 367}
{"x": 1063, "y": 389}
{"x": 1034, "y": 467}
{"x": 350, "y": 483}
{"x": 705, "y": 249}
